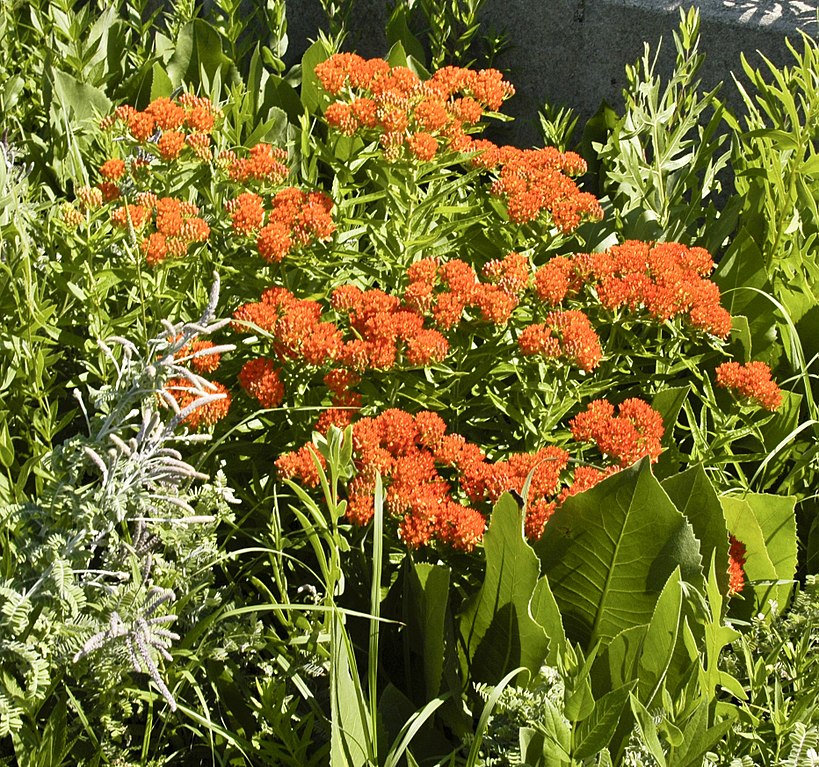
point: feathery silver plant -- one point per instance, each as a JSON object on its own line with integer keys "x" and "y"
{"x": 100, "y": 557}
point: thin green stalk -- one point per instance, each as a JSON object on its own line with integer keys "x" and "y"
{"x": 375, "y": 609}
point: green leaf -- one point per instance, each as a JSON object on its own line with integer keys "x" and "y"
{"x": 578, "y": 696}
{"x": 497, "y": 627}
{"x": 660, "y": 640}
{"x": 546, "y": 612}
{"x": 608, "y": 553}
{"x": 6, "y": 446}
{"x": 311, "y": 91}
{"x": 429, "y": 595}
{"x": 349, "y": 720}
{"x": 779, "y": 434}
{"x": 557, "y": 736}
{"x": 812, "y": 556}
{"x": 532, "y": 746}
{"x": 83, "y": 100}
{"x": 766, "y": 524}
{"x": 693, "y": 494}
{"x": 617, "y": 663}
{"x": 199, "y": 49}
{"x": 397, "y": 56}
{"x": 648, "y": 730}
{"x": 810, "y": 166}
{"x": 596, "y": 731}
{"x": 398, "y": 31}
{"x": 161, "y": 85}
{"x": 668, "y": 403}
{"x": 698, "y": 739}
{"x": 741, "y": 335}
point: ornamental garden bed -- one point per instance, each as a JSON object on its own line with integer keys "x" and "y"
{"x": 337, "y": 431}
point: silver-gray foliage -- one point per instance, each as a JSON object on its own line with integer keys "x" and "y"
{"x": 91, "y": 570}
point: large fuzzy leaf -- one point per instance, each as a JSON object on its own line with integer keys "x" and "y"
{"x": 497, "y": 627}
{"x": 608, "y": 553}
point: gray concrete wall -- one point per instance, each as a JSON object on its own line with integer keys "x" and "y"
{"x": 574, "y": 52}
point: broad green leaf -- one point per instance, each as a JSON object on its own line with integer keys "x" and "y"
{"x": 398, "y": 31}
{"x": 779, "y": 434}
{"x": 578, "y": 696}
{"x": 83, "y": 100}
{"x": 6, "y": 446}
{"x": 546, "y": 612}
{"x": 741, "y": 336}
{"x": 660, "y": 640}
{"x": 397, "y": 56}
{"x": 698, "y": 739}
{"x": 741, "y": 267}
{"x": 557, "y": 740}
{"x": 497, "y": 627}
{"x": 812, "y": 558}
{"x": 199, "y": 49}
{"x": 429, "y": 595}
{"x": 596, "y": 731}
{"x": 617, "y": 664}
{"x": 532, "y": 746}
{"x": 311, "y": 91}
{"x": 648, "y": 730}
{"x": 766, "y": 524}
{"x": 161, "y": 85}
{"x": 693, "y": 494}
{"x": 608, "y": 553}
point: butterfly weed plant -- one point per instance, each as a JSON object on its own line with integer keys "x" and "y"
{"x": 478, "y": 428}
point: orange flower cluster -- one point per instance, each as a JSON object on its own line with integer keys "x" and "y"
{"x": 398, "y": 446}
{"x": 200, "y": 358}
{"x": 568, "y": 335}
{"x": 113, "y": 169}
{"x": 752, "y": 382}
{"x": 246, "y": 212}
{"x": 736, "y": 561}
{"x": 413, "y": 118}
{"x": 635, "y": 432}
{"x": 345, "y": 403}
{"x": 295, "y": 219}
{"x": 414, "y": 454}
{"x": 172, "y": 125}
{"x": 665, "y": 279}
{"x": 300, "y": 464}
{"x": 537, "y": 181}
{"x": 385, "y": 332}
{"x": 483, "y": 480}
{"x": 176, "y": 225}
{"x": 446, "y": 290}
{"x": 206, "y": 415}
{"x": 263, "y": 163}
{"x": 296, "y": 327}
{"x": 260, "y": 379}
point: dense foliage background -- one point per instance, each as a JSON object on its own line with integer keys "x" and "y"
{"x": 333, "y": 431}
